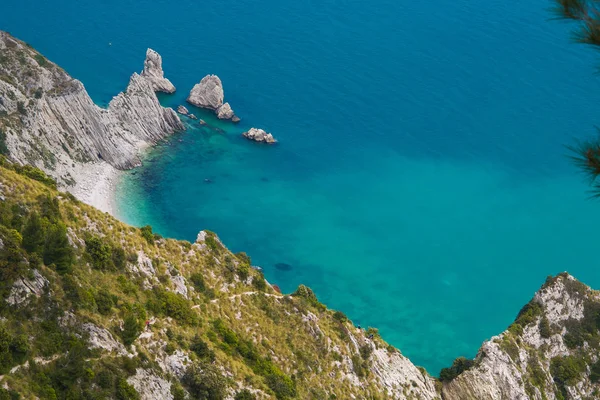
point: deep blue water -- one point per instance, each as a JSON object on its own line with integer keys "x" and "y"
{"x": 421, "y": 183}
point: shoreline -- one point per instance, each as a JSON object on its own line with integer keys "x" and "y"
{"x": 97, "y": 186}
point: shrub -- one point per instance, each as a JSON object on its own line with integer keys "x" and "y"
{"x": 57, "y": 249}
{"x": 259, "y": 282}
{"x": 205, "y": 382}
{"x": 125, "y": 391}
{"x": 34, "y": 234}
{"x": 201, "y": 349}
{"x": 243, "y": 272}
{"x": 365, "y": 351}
{"x": 340, "y": 316}
{"x": 544, "y": 327}
{"x": 198, "y": 282}
{"x": 104, "y": 301}
{"x": 41, "y": 60}
{"x": 282, "y": 385}
{"x": 172, "y": 305}
{"x": 177, "y": 391}
{"x": 243, "y": 258}
{"x": 3, "y": 146}
{"x": 567, "y": 370}
{"x": 244, "y": 394}
{"x": 100, "y": 253}
{"x": 132, "y": 328}
{"x": 37, "y": 175}
{"x": 459, "y": 365}
{"x": 147, "y": 234}
{"x": 21, "y": 108}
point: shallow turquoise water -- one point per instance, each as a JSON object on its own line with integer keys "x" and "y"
{"x": 420, "y": 184}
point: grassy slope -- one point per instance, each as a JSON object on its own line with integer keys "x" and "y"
{"x": 294, "y": 341}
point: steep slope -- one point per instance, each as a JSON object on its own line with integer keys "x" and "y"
{"x": 47, "y": 119}
{"x": 78, "y": 286}
{"x": 551, "y": 351}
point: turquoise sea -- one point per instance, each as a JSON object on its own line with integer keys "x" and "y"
{"x": 421, "y": 183}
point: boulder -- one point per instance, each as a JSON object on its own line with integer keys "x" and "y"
{"x": 154, "y": 73}
{"x": 182, "y": 110}
{"x": 259, "y": 135}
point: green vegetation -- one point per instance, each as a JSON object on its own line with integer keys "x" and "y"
{"x": 3, "y": 146}
{"x": 460, "y": 365}
{"x": 567, "y": 370}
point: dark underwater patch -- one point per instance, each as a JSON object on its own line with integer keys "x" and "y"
{"x": 283, "y": 267}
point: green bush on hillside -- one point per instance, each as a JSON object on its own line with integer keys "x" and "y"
{"x": 205, "y": 381}
{"x": 460, "y": 365}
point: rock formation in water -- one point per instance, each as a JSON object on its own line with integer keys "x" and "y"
{"x": 259, "y": 135}
{"x": 182, "y": 110}
{"x": 51, "y": 122}
{"x": 154, "y": 73}
{"x": 209, "y": 94}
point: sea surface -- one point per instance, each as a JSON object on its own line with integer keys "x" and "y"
{"x": 420, "y": 183}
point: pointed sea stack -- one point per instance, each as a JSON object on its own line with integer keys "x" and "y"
{"x": 154, "y": 73}
{"x": 209, "y": 94}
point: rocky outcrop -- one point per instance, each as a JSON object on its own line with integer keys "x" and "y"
{"x": 150, "y": 386}
{"x": 51, "y": 122}
{"x": 182, "y": 110}
{"x": 154, "y": 73}
{"x": 25, "y": 287}
{"x": 259, "y": 135}
{"x": 209, "y": 94}
{"x": 549, "y": 352}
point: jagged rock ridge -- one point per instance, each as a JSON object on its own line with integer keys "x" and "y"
{"x": 51, "y": 122}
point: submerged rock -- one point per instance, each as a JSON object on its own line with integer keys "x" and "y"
{"x": 283, "y": 267}
{"x": 259, "y": 135}
{"x": 154, "y": 73}
{"x": 209, "y": 94}
{"x": 182, "y": 110}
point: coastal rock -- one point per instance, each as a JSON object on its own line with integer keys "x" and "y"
{"x": 259, "y": 135}
{"x": 182, "y": 110}
{"x": 235, "y": 119}
{"x": 150, "y": 386}
{"x": 225, "y": 112}
{"x": 59, "y": 129}
{"x": 208, "y": 93}
{"x": 154, "y": 73}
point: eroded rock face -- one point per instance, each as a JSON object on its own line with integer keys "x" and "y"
{"x": 208, "y": 93}
{"x": 24, "y": 288}
{"x": 259, "y": 135}
{"x": 58, "y": 128}
{"x": 150, "y": 386}
{"x": 154, "y": 73}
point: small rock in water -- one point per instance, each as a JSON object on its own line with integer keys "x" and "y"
{"x": 208, "y": 180}
{"x": 182, "y": 110}
{"x": 283, "y": 267}
{"x": 259, "y": 135}
{"x": 192, "y": 116}
{"x": 202, "y": 122}
{"x": 235, "y": 119}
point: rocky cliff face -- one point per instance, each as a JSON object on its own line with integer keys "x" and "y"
{"x": 50, "y": 121}
{"x": 551, "y": 351}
